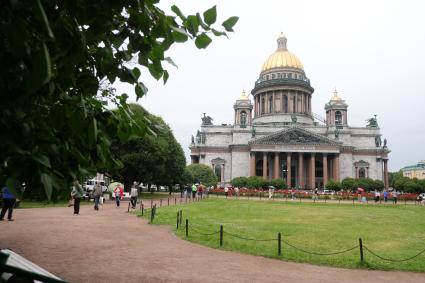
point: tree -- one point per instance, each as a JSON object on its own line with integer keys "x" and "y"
{"x": 333, "y": 185}
{"x": 58, "y": 61}
{"x": 349, "y": 184}
{"x": 278, "y": 183}
{"x": 203, "y": 173}
{"x": 256, "y": 182}
{"x": 366, "y": 183}
{"x": 378, "y": 184}
{"x": 399, "y": 183}
{"x": 150, "y": 159}
{"x": 239, "y": 182}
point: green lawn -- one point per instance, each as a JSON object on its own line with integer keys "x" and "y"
{"x": 395, "y": 232}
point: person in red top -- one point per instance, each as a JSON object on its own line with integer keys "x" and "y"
{"x": 119, "y": 192}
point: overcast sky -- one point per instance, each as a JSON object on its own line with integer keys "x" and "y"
{"x": 371, "y": 51}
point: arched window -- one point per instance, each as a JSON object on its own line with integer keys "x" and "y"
{"x": 259, "y": 168}
{"x": 338, "y": 118}
{"x": 243, "y": 118}
{"x": 270, "y": 104}
{"x": 217, "y": 171}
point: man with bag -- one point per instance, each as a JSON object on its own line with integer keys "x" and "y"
{"x": 77, "y": 193}
{"x": 134, "y": 193}
{"x": 97, "y": 192}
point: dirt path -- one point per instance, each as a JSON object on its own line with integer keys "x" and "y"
{"x": 112, "y": 246}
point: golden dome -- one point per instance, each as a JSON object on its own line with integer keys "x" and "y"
{"x": 243, "y": 96}
{"x": 282, "y": 58}
{"x": 335, "y": 97}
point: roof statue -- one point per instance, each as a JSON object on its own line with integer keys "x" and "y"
{"x": 372, "y": 122}
{"x": 198, "y": 137}
{"x": 337, "y": 133}
{"x": 294, "y": 118}
{"x": 385, "y": 143}
{"x": 253, "y": 132}
{"x": 193, "y": 139}
{"x": 206, "y": 120}
{"x": 378, "y": 141}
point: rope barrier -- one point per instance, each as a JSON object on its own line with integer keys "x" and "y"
{"x": 394, "y": 260}
{"x": 316, "y": 253}
{"x": 249, "y": 239}
{"x": 202, "y": 233}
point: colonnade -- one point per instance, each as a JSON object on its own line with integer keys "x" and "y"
{"x": 282, "y": 101}
{"x": 300, "y": 169}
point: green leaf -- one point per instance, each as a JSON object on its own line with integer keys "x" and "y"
{"x": 165, "y": 76}
{"x": 210, "y": 15}
{"x": 229, "y": 23}
{"x": 41, "y": 71}
{"x": 178, "y": 12}
{"x": 218, "y": 33}
{"x": 157, "y": 52}
{"x": 156, "y": 69}
{"x": 136, "y": 73}
{"x": 41, "y": 158}
{"x": 179, "y": 34}
{"x": 192, "y": 24}
{"x": 140, "y": 90}
{"x": 42, "y": 16}
{"x": 46, "y": 180}
{"x": 202, "y": 41}
{"x": 170, "y": 61}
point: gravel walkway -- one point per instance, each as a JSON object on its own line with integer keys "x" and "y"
{"x": 111, "y": 245}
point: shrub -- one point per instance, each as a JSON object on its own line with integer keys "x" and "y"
{"x": 256, "y": 182}
{"x": 202, "y": 173}
{"x": 239, "y": 182}
{"x": 333, "y": 185}
{"x": 349, "y": 184}
{"x": 278, "y": 183}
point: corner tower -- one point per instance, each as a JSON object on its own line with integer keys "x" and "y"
{"x": 336, "y": 111}
{"x": 243, "y": 111}
{"x": 283, "y": 90}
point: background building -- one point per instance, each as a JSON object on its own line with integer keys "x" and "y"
{"x": 415, "y": 171}
{"x": 278, "y": 136}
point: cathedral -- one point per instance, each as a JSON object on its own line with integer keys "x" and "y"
{"x": 278, "y": 136}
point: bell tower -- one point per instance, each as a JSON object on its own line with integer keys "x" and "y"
{"x": 243, "y": 111}
{"x": 336, "y": 111}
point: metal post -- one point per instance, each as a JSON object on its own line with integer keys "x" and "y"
{"x": 175, "y": 200}
{"x": 361, "y": 249}
{"x": 128, "y": 209}
{"x": 151, "y": 203}
{"x": 187, "y": 227}
{"x": 168, "y": 202}
{"x": 178, "y": 216}
{"x": 221, "y": 235}
{"x": 151, "y": 215}
{"x": 279, "y": 244}
{"x": 160, "y": 203}
{"x": 143, "y": 208}
{"x": 181, "y": 216}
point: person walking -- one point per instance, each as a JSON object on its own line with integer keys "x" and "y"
{"x": 97, "y": 193}
{"x": 9, "y": 201}
{"x": 194, "y": 189}
{"x": 226, "y": 191}
{"x": 385, "y": 195}
{"x": 119, "y": 192}
{"x": 395, "y": 196}
{"x": 134, "y": 193}
{"x": 77, "y": 193}
{"x": 377, "y": 196}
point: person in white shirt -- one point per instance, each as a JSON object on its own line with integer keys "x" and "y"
{"x": 134, "y": 193}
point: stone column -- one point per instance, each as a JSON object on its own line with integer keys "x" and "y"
{"x": 325, "y": 169}
{"x": 336, "y": 167}
{"x": 300, "y": 170}
{"x": 265, "y": 165}
{"x": 356, "y": 172}
{"x": 276, "y": 165}
{"x": 312, "y": 171}
{"x": 288, "y": 169}
{"x": 252, "y": 164}
{"x": 386, "y": 174}
{"x": 296, "y": 102}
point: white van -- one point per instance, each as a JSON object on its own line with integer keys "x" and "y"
{"x": 88, "y": 186}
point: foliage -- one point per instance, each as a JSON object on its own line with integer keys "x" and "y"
{"x": 378, "y": 185}
{"x": 255, "y": 182}
{"x": 58, "y": 61}
{"x": 392, "y": 176}
{"x": 333, "y": 185}
{"x": 366, "y": 183}
{"x": 150, "y": 159}
{"x": 414, "y": 186}
{"x": 392, "y": 231}
{"x": 239, "y": 182}
{"x": 349, "y": 183}
{"x": 187, "y": 177}
{"x": 278, "y": 183}
{"x": 202, "y": 173}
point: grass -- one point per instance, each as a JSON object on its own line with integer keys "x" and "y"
{"x": 156, "y": 195}
{"x": 395, "y": 232}
{"x": 45, "y": 204}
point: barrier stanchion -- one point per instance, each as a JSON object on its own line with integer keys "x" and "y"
{"x": 160, "y": 203}
{"x": 279, "y": 244}
{"x": 187, "y": 227}
{"x": 181, "y": 216}
{"x": 143, "y": 208}
{"x": 151, "y": 204}
{"x": 168, "y": 200}
{"x": 178, "y": 216}
{"x": 221, "y": 235}
{"x": 361, "y": 249}
{"x": 128, "y": 209}
{"x": 175, "y": 201}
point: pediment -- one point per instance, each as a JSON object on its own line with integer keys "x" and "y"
{"x": 296, "y": 136}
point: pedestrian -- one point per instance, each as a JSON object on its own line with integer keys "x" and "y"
{"x": 77, "y": 193}
{"x": 237, "y": 192}
{"x": 385, "y": 195}
{"x": 292, "y": 194}
{"x": 119, "y": 192}
{"x": 377, "y": 196}
{"x": 226, "y": 191}
{"x": 270, "y": 192}
{"x": 194, "y": 189}
{"x": 200, "y": 190}
{"x": 395, "y": 196}
{"x": 97, "y": 192}
{"x": 9, "y": 201}
{"x": 134, "y": 193}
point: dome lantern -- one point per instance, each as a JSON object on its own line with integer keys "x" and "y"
{"x": 281, "y": 41}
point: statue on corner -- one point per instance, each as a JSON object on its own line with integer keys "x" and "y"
{"x": 372, "y": 122}
{"x": 206, "y": 120}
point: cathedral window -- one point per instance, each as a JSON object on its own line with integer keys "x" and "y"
{"x": 243, "y": 118}
{"x": 217, "y": 171}
{"x": 338, "y": 118}
{"x": 290, "y": 75}
{"x": 273, "y": 76}
{"x": 263, "y": 105}
{"x": 270, "y": 104}
{"x": 362, "y": 173}
{"x": 285, "y": 104}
